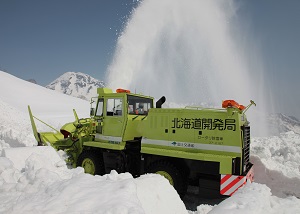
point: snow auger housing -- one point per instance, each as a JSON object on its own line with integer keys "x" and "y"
{"x": 199, "y": 146}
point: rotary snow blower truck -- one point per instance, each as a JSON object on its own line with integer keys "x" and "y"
{"x": 204, "y": 147}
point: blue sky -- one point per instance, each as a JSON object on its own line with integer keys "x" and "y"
{"x": 275, "y": 26}
{"x": 44, "y": 39}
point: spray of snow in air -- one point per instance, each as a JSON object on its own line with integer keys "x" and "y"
{"x": 188, "y": 51}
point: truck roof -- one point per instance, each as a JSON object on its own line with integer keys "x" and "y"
{"x": 106, "y": 91}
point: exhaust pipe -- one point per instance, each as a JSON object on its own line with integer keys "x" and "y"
{"x": 161, "y": 101}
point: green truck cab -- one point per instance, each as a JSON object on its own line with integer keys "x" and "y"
{"x": 204, "y": 147}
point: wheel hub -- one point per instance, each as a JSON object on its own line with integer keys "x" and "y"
{"x": 89, "y": 166}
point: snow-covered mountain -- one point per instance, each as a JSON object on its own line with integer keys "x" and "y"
{"x": 32, "y": 81}
{"x": 76, "y": 84}
{"x": 279, "y": 123}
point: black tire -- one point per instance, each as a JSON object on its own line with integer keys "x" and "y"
{"x": 172, "y": 173}
{"x": 92, "y": 162}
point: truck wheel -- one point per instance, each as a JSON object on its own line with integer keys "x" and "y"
{"x": 92, "y": 162}
{"x": 171, "y": 173}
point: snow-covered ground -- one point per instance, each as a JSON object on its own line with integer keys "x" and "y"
{"x": 37, "y": 180}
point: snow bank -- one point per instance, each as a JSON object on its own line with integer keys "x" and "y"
{"x": 253, "y": 198}
{"x": 15, "y": 128}
{"x": 18, "y": 155}
{"x": 257, "y": 198}
{"x": 47, "y": 186}
{"x": 281, "y": 153}
{"x": 156, "y": 196}
{"x": 277, "y": 163}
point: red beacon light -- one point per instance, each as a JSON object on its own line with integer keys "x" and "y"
{"x": 121, "y": 90}
{"x": 232, "y": 103}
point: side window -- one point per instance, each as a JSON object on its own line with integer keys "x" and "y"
{"x": 99, "y": 111}
{"x": 114, "y": 107}
{"x": 139, "y": 105}
{"x": 130, "y": 109}
{"x": 142, "y": 107}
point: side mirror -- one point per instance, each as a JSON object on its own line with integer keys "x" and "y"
{"x": 92, "y": 112}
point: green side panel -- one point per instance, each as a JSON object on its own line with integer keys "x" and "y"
{"x": 195, "y": 133}
{"x": 113, "y": 126}
{"x": 203, "y": 126}
{"x": 225, "y": 161}
{"x": 105, "y": 145}
{"x": 133, "y": 127}
{"x": 157, "y": 125}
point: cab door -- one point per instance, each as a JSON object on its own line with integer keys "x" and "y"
{"x": 99, "y": 115}
{"x": 113, "y": 120}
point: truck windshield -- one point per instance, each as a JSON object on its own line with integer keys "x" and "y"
{"x": 139, "y": 105}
